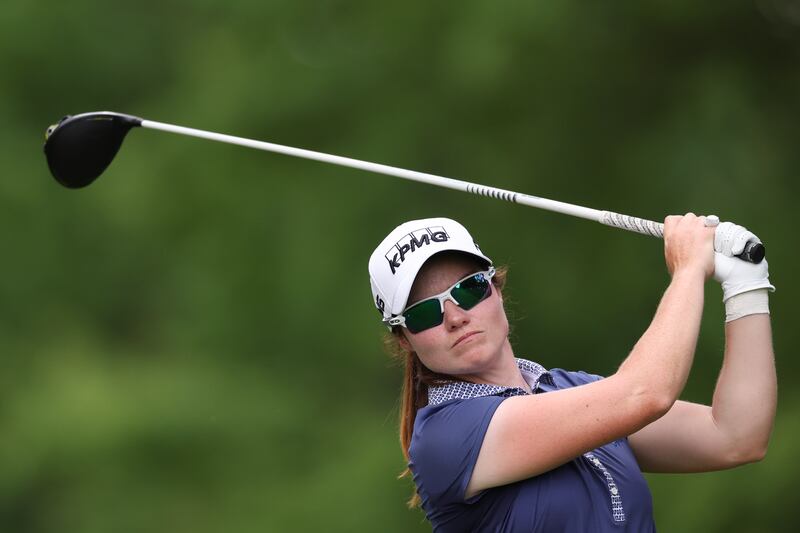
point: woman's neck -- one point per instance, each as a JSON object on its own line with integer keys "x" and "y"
{"x": 503, "y": 371}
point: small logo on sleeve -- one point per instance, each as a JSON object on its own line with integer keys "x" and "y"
{"x": 412, "y": 242}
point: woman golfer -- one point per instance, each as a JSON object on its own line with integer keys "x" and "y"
{"x": 499, "y": 443}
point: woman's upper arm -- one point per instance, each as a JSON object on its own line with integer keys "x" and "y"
{"x": 686, "y": 439}
{"x": 529, "y": 435}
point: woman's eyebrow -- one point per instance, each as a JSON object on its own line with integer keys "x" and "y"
{"x": 468, "y": 272}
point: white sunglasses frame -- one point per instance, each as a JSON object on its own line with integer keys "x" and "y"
{"x": 443, "y": 296}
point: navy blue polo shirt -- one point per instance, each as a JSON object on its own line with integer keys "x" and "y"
{"x": 600, "y": 491}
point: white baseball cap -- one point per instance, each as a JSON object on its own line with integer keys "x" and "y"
{"x": 394, "y": 264}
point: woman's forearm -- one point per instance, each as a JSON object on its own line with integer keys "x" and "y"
{"x": 745, "y": 397}
{"x": 661, "y": 360}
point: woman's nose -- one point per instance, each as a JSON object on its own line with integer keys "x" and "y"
{"x": 454, "y": 316}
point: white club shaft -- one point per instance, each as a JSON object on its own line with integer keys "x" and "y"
{"x": 608, "y": 218}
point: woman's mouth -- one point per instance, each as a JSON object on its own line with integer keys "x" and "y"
{"x": 465, "y": 337}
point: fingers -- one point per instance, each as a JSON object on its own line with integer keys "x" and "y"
{"x": 730, "y": 239}
{"x": 741, "y": 240}
{"x": 689, "y": 220}
{"x": 681, "y": 221}
{"x": 688, "y": 244}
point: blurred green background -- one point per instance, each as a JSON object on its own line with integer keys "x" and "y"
{"x": 189, "y": 344}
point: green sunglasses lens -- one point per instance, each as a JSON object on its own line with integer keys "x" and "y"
{"x": 425, "y": 315}
{"x": 471, "y": 291}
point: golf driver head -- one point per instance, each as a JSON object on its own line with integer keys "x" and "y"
{"x": 79, "y": 148}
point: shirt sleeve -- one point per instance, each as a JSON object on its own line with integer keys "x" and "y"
{"x": 445, "y": 445}
{"x": 567, "y": 378}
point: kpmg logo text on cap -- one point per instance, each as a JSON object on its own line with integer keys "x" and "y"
{"x": 412, "y": 242}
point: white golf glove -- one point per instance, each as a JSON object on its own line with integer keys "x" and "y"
{"x": 740, "y": 279}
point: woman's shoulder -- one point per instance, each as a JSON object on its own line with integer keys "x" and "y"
{"x": 454, "y": 411}
{"x": 445, "y": 444}
{"x": 454, "y": 422}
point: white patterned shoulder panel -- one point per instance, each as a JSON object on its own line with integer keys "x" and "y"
{"x": 462, "y": 390}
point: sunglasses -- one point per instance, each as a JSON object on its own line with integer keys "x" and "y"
{"x": 465, "y": 293}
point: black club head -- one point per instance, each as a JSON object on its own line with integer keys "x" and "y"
{"x": 79, "y": 148}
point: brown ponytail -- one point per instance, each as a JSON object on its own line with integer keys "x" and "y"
{"x": 417, "y": 378}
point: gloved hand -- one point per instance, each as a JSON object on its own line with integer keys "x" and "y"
{"x": 744, "y": 284}
{"x": 735, "y": 275}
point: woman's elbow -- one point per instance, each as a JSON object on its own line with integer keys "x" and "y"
{"x": 648, "y": 401}
{"x": 652, "y": 404}
{"x": 759, "y": 455}
{"x": 756, "y": 454}
{"x": 742, "y": 455}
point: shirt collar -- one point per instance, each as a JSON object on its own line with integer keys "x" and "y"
{"x": 532, "y": 373}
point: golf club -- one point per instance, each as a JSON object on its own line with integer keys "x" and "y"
{"x": 80, "y": 147}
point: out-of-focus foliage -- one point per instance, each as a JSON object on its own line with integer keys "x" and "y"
{"x": 189, "y": 344}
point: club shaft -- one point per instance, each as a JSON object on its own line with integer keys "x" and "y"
{"x": 638, "y": 225}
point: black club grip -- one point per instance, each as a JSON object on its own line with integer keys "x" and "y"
{"x": 753, "y": 252}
